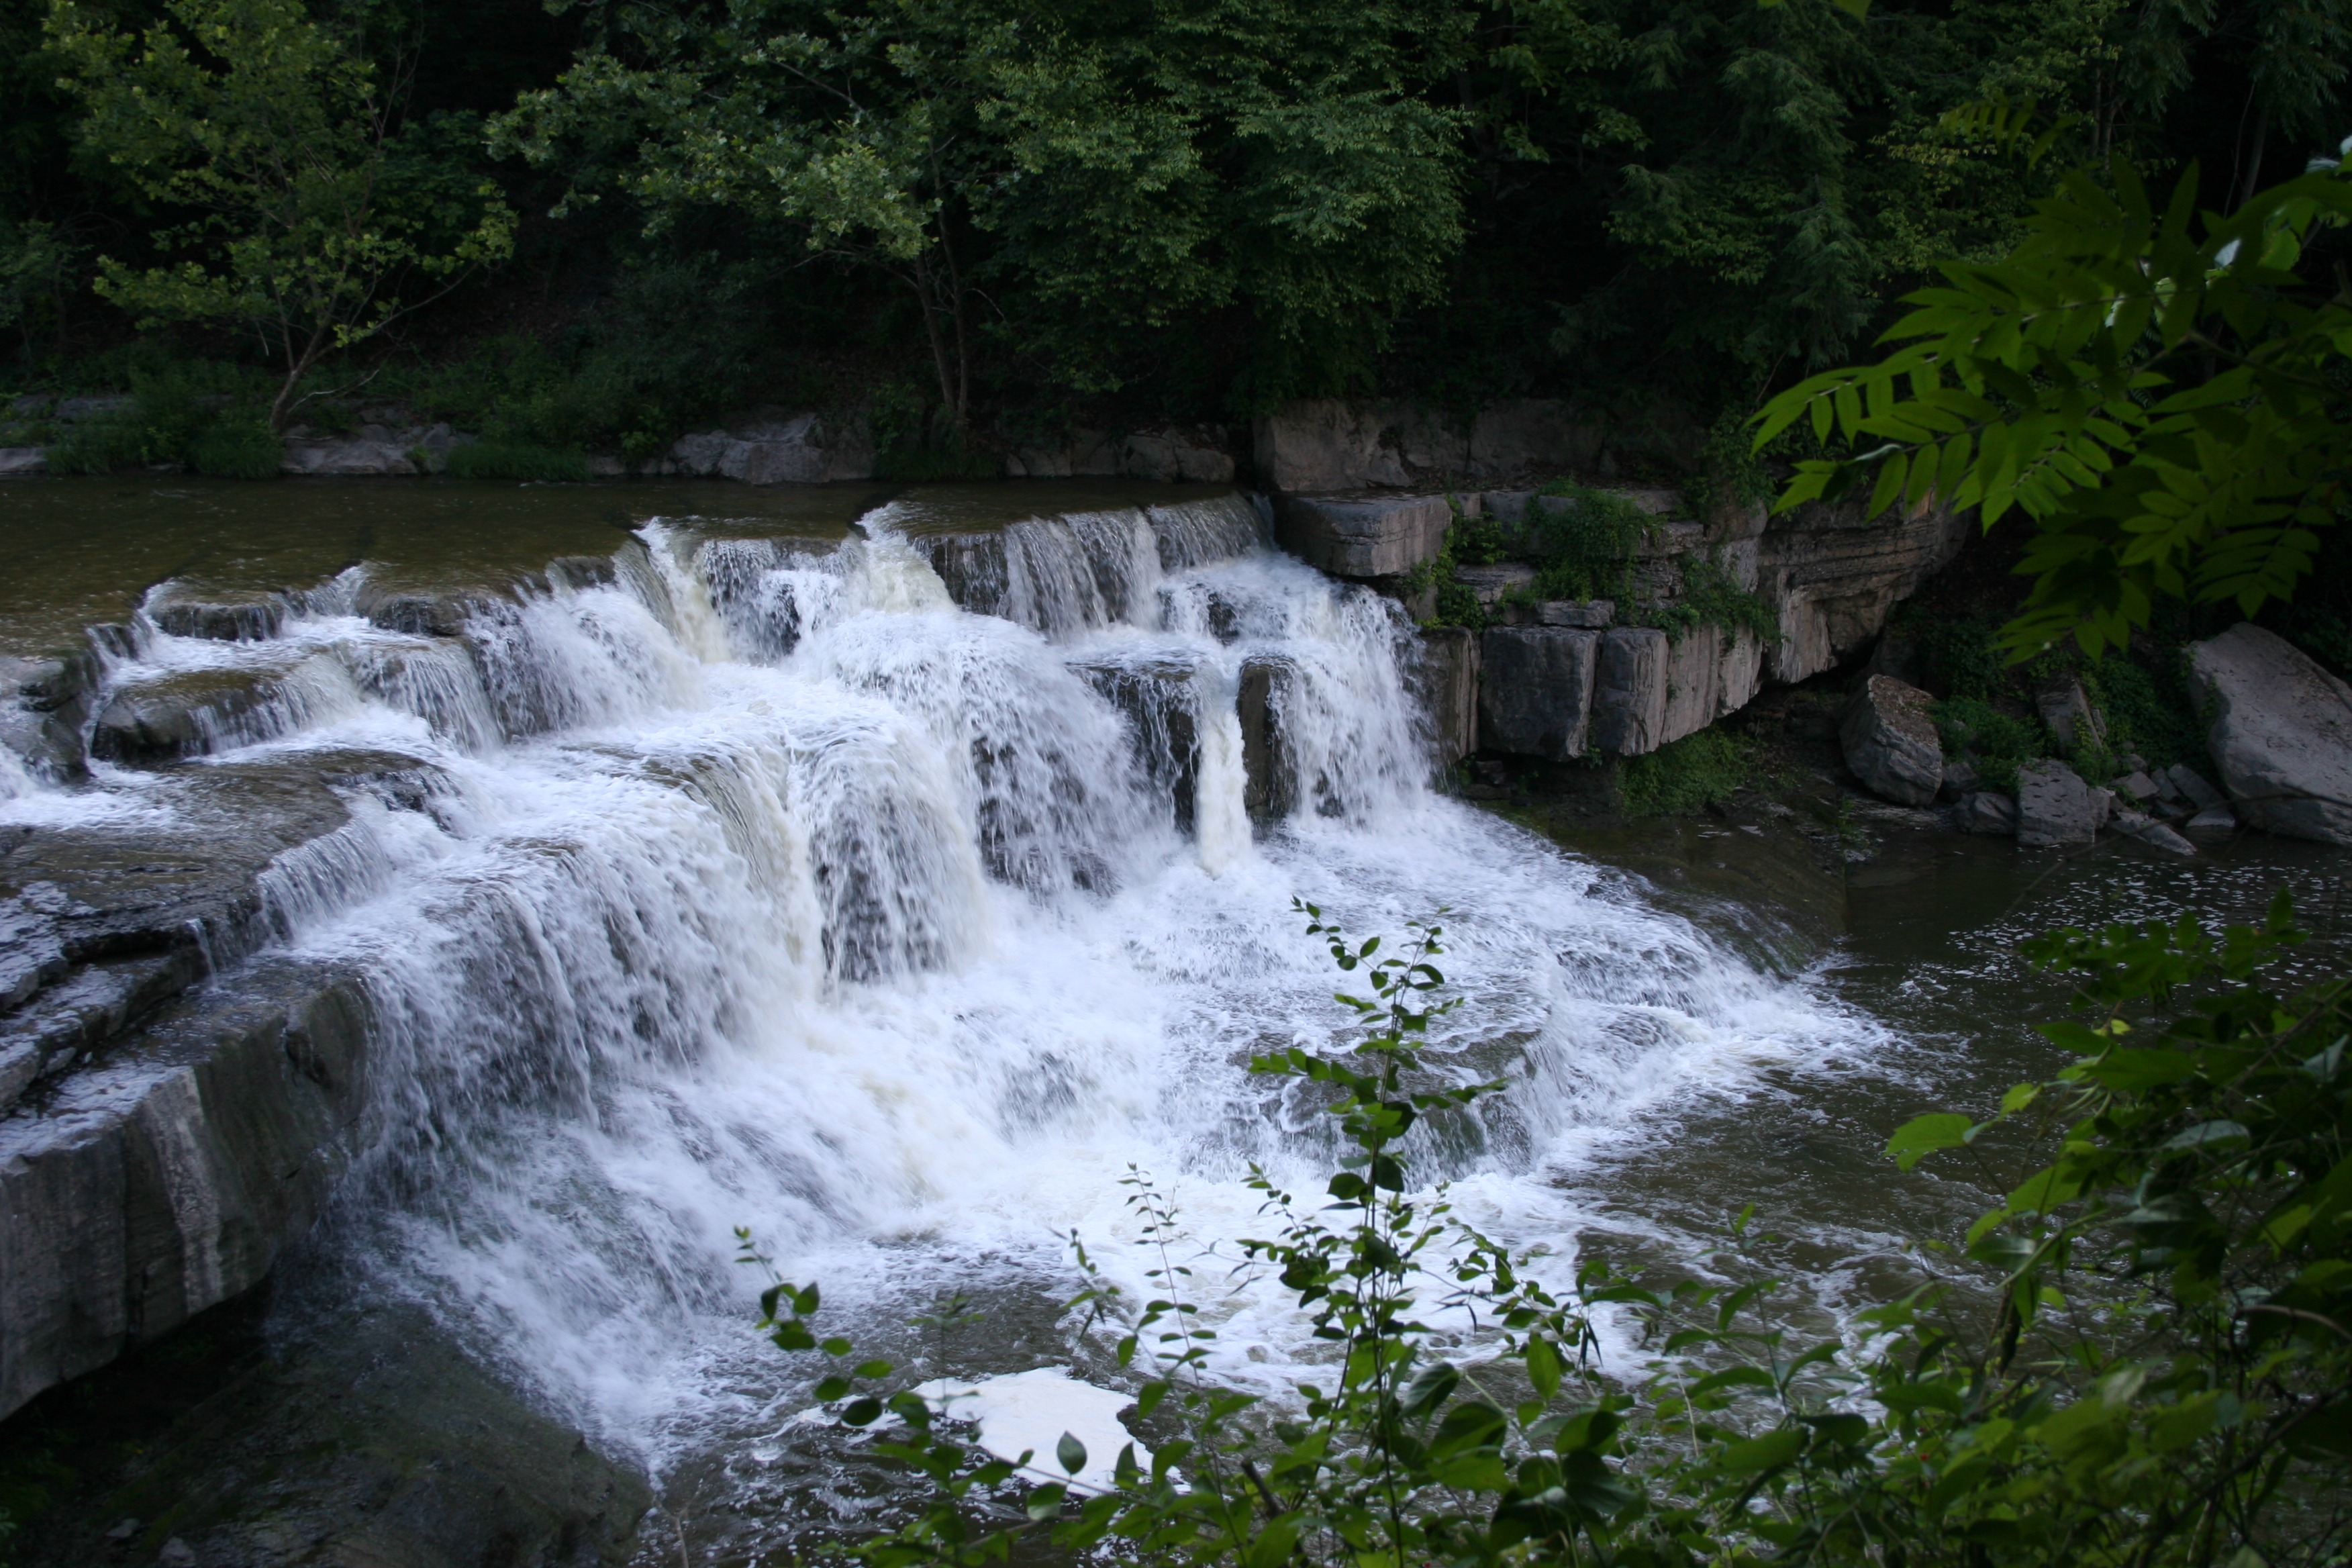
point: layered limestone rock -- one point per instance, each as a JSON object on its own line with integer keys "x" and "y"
{"x": 1832, "y": 576}
{"x": 2281, "y": 734}
{"x": 2055, "y": 809}
{"x": 374, "y": 448}
{"x": 1629, "y": 693}
{"x": 1447, "y": 678}
{"x": 1269, "y": 768}
{"x": 1364, "y": 535}
{"x": 1535, "y": 689}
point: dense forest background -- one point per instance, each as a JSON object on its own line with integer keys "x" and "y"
{"x": 995, "y": 219}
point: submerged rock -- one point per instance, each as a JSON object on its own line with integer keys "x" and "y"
{"x": 1447, "y": 678}
{"x": 1987, "y": 812}
{"x": 2149, "y": 831}
{"x": 2055, "y": 808}
{"x": 2281, "y": 734}
{"x": 1270, "y": 772}
{"x": 1890, "y": 742}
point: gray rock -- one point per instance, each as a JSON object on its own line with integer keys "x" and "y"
{"x": 15, "y": 460}
{"x": 1446, "y": 678}
{"x": 1987, "y": 812}
{"x": 33, "y": 407}
{"x": 1535, "y": 689}
{"x": 1269, "y": 768}
{"x": 2136, "y": 787}
{"x": 44, "y": 704}
{"x": 2213, "y": 819}
{"x": 1363, "y": 536}
{"x": 2189, "y": 785}
{"x": 1832, "y": 576}
{"x": 74, "y": 410}
{"x": 2103, "y": 806}
{"x": 1593, "y": 615}
{"x": 2054, "y": 809}
{"x": 2070, "y": 715}
{"x": 2149, "y": 831}
{"x": 2281, "y": 734}
{"x": 1629, "y": 693}
{"x": 372, "y": 451}
{"x": 806, "y": 449}
{"x": 249, "y": 617}
{"x": 1330, "y": 445}
{"x": 1889, "y": 742}
{"x": 1492, "y": 583}
{"x": 1161, "y": 699}
{"x": 167, "y": 1179}
{"x": 1959, "y": 778}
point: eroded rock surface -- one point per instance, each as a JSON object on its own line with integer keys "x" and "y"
{"x": 1535, "y": 689}
{"x": 2055, "y": 808}
{"x": 1363, "y": 536}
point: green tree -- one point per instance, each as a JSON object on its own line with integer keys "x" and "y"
{"x": 1091, "y": 172}
{"x": 2164, "y": 391}
{"x": 318, "y": 211}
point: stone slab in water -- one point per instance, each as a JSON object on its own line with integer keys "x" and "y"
{"x": 2055, "y": 808}
{"x": 2281, "y": 734}
{"x": 1535, "y": 690}
{"x": 1364, "y": 536}
{"x": 1269, "y": 770}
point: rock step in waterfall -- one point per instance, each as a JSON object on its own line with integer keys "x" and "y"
{"x": 182, "y": 1094}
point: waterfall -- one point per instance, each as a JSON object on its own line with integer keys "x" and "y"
{"x": 892, "y": 895}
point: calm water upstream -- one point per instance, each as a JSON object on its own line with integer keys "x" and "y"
{"x": 762, "y": 885}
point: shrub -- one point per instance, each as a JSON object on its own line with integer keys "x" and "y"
{"x": 2148, "y": 713}
{"x": 1998, "y": 742}
{"x": 1686, "y": 776}
{"x": 517, "y": 460}
{"x": 238, "y": 446}
{"x": 1959, "y": 657}
{"x": 1586, "y": 550}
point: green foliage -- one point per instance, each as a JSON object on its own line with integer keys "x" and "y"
{"x": 1105, "y": 171}
{"x": 2163, "y": 1379}
{"x": 1959, "y": 656}
{"x": 1996, "y": 741}
{"x": 1712, "y": 596}
{"x": 1585, "y": 550}
{"x": 1685, "y": 777}
{"x": 192, "y": 413}
{"x": 316, "y": 204}
{"x": 2159, "y": 390}
{"x": 2148, "y": 712}
{"x": 517, "y": 461}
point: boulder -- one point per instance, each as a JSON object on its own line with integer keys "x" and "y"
{"x": 2213, "y": 819}
{"x": 230, "y": 618}
{"x": 1160, "y": 700}
{"x": 2136, "y": 787}
{"x": 1446, "y": 678}
{"x": 1326, "y": 444}
{"x": 1535, "y": 689}
{"x": 22, "y": 461}
{"x": 1364, "y": 536}
{"x": 2055, "y": 808}
{"x": 2149, "y": 831}
{"x": 1988, "y": 811}
{"x": 1629, "y": 695}
{"x": 43, "y": 705}
{"x": 2281, "y": 733}
{"x": 1959, "y": 778}
{"x": 1890, "y": 743}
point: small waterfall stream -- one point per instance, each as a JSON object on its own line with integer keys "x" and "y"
{"x": 753, "y": 881}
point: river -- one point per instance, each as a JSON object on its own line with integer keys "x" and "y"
{"x": 749, "y": 882}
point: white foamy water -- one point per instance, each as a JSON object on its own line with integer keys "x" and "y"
{"x": 763, "y": 886}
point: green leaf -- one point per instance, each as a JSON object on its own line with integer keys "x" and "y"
{"x": 1071, "y": 1453}
{"x": 1543, "y": 1366}
{"x": 1767, "y": 1452}
{"x": 1922, "y": 1136}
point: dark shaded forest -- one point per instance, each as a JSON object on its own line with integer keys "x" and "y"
{"x": 612, "y": 220}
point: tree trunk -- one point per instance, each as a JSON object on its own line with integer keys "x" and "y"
{"x": 299, "y": 366}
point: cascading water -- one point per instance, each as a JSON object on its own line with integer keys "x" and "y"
{"x": 759, "y": 884}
